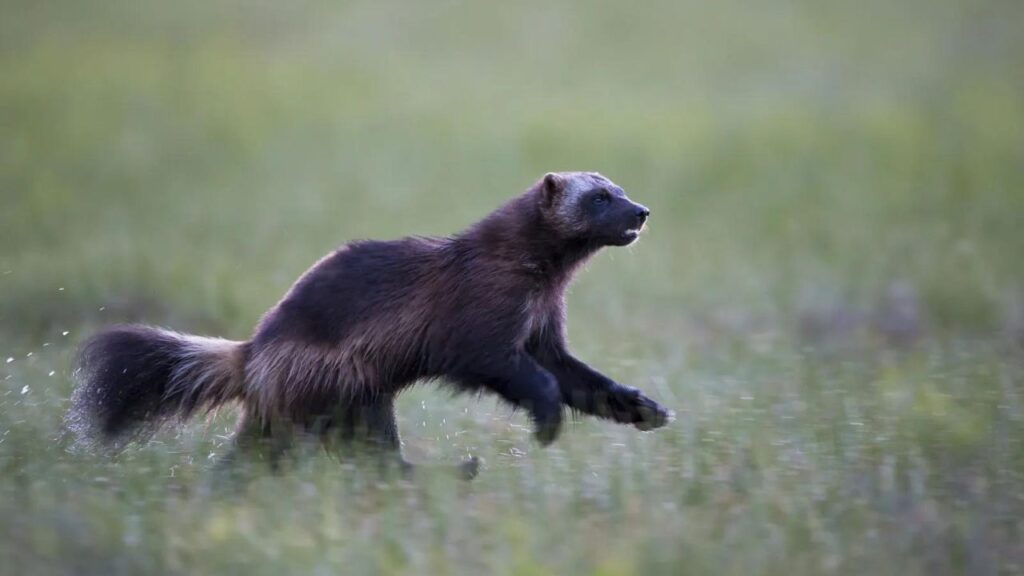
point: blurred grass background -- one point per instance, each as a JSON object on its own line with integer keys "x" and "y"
{"x": 831, "y": 294}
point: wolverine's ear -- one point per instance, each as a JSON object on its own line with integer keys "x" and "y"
{"x": 551, "y": 187}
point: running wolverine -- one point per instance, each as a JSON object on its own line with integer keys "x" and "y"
{"x": 481, "y": 310}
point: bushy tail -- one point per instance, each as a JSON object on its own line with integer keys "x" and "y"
{"x": 131, "y": 379}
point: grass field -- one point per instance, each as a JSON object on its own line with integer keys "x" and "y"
{"x": 830, "y": 296}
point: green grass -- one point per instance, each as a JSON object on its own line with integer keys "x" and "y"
{"x": 823, "y": 177}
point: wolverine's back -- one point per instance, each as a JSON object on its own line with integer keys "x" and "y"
{"x": 357, "y": 323}
{"x": 357, "y": 283}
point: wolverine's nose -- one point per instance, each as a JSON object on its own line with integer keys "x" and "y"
{"x": 642, "y": 213}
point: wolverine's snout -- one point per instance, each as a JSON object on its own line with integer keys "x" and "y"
{"x": 642, "y": 212}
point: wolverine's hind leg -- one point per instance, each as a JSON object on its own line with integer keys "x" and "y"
{"x": 370, "y": 429}
{"x": 364, "y": 429}
{"x": 257, "y": 443}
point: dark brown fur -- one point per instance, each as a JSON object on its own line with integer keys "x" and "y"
{"x": 480, "y": 310}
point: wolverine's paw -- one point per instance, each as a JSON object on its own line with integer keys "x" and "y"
{"x": 469, "y": 468}
{"x": 547, "y": 426}
{"x": 640, "y": 411}
{"x": 652, "y": 416}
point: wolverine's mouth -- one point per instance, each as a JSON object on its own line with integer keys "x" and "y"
{"x": 631, "y": 234}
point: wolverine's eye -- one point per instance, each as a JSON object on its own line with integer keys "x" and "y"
{"x": 602, "y": 197}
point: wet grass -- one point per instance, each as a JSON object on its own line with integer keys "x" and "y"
{"x": 830, "y": 295}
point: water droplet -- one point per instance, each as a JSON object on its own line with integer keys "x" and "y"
{"x": 65, "y": 333}
{"x": 45, "y": 344}
{"x": 52, "y": 372}
{"x": 29, "y": 355}
{"x": 9, "y": 360}
{"x": 61, "y": 289}
{"x": 24, "y": 389}
{"x": 102, "y": 308}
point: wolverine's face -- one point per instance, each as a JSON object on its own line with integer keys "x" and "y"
{"x": 588, "y": 205}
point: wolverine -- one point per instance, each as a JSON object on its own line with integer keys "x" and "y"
{"x": 481, "y": 310}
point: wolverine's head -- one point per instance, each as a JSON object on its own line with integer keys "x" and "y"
{"x": 589, "y": 206}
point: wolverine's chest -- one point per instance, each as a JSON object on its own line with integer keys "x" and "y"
{"x": 541, "y": 314}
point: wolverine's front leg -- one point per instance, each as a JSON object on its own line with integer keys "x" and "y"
{"x": 520, "y": 380}
{"x": 591, "y": 392}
